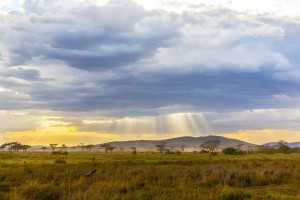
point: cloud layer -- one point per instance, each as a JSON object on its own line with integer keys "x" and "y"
{"x": 120, "y": 59}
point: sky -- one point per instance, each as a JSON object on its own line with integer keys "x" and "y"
{"x": 94, "y": 71}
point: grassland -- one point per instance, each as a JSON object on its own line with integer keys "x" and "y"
{"x": 41, "y": 176}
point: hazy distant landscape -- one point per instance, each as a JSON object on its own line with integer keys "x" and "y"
{"x": 211, "y": 167}
{"x": 149, "y": 100}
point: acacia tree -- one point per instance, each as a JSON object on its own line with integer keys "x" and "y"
{"x": 111, "y": 148}
{"x": 283, "y": 147}
{"x": 210, "y": 145}
{"x": 182, "y": 147}
{"x": 2, "y": 147}
{"x": 160, "y": 147}
{"x": 13, "y": 146}
{"x": 25, "y": 147}
{"x": 63, "y": 147}
{"x": 81, "y": 145}
{"x": 44, "y": 148}
{"x": 89, "y": 147}
{"x": 53, "y": 146}
{"x": 133, "y": 150}
{"x": 105, "y": 146}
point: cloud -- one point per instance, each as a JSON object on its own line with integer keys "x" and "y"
{"x": 120, "y": 61}
{"x": 87, "y": 37}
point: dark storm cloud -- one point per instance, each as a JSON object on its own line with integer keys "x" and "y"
{"x": 135, "y": 96}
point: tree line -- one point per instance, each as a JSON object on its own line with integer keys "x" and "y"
{"x": 14, "y": 146}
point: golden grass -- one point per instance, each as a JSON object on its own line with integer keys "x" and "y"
{"x": 149, "y": 176}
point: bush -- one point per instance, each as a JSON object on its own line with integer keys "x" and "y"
{"x": 233, "y": 151}
{"x": 229, "y": 151}
{"x": 203, "y": 151}
{"x": 60, "y": 152}
{"x": 177, "y": 152}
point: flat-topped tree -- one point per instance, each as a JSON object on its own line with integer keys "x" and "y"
{"x": 210, "y": 145}
{"x": 44, "y": 148}
{"x": 160, "y": 147}
{"x": 89, "y": 147}
{"x": 81, "y": 145}
{"x": 53, "y": 146}
{"x": 105, "y": 146}
{"x": 63, "y": 147}
{"x": 283, "y": 147}
{"x": 111, "y": 148}
{"x": 25, "y": 147}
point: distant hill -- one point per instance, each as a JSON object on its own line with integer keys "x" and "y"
{"x": 188, "y": 142}
{"x": 291, "y": 144}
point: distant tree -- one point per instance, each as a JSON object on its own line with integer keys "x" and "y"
{"x": 121, "y": 149}
{"x": 25, "y": 147}
{"x": 133, "y": 150}
{"x": 53, "y": 146}
{"x": 160, "y": 147}
{"x": 240, "y": 146}
{"x": 44, "y": 148}
{"x": 2, "y": 147}
{"x": 111, "y": 148}
{"x": 81, "y": 145}
{"x": 13, "y": 146}
{"x": 89, "y": 147}
{"x": 229, "y": 151}
{"x": 182, "y": 147}
{"x": 210, "y": 145}
{"x": 283, "y": 147}
{"x": 63, "y": 147}
{"x": 105, "y": 146}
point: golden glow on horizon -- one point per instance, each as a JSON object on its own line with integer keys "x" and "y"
{"x": 265, "y": 135}
{"x": 69, "y": 135}
{"x": 56, "y": 130}
{"x": 72, "y": 131}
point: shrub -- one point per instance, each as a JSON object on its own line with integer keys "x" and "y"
{"x": 203, "y": 151}
{"x": 177, "y": 152}
{"x": 229, "y": 151}
{"x": 60, "y": 152}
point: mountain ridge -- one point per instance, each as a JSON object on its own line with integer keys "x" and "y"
{"x": 189, "y": 142}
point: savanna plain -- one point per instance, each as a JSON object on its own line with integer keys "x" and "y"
{"x": 41, "y": 175}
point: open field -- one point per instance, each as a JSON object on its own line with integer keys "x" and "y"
{"x": 149, "y": 176}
